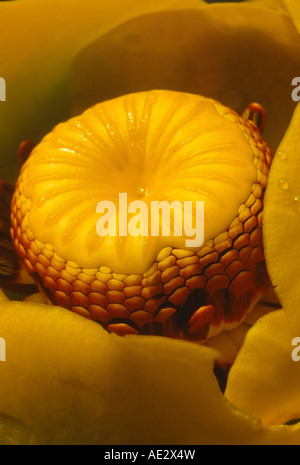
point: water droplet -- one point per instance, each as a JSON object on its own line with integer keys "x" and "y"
{"x": 296, "y": 199}
{"x": 283, "y": 184}
{"x": 282, "y": 155}
{"x": 142, "y": 191}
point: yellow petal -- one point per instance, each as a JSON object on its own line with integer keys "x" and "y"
{"x": 281, "y": 221}
{"x": 228, "y": 343}
{"x": 66, "y": 381}
{"x": 293, "y": 8}
{"x": 233, "y": 57}
{"x": 264, "y": 380}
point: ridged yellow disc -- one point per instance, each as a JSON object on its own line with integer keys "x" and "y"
{"x": 153, "y": 146}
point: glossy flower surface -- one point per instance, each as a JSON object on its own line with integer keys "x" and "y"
{"x": 65, "y": 380}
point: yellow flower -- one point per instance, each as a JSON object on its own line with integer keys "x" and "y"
{"x": 65, "y": 380}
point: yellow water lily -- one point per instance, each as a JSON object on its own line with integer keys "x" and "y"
{"x": 64, "y": 379}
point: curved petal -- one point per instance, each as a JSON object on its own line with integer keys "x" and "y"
{"x": 281, "y": 222}
{"x": 293, "y": 7}
{"x": 228, "y": 343}
{"x": 233, "y": 57}
{"x": 264, "y": 380}
{"x": 67, "y": 381}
